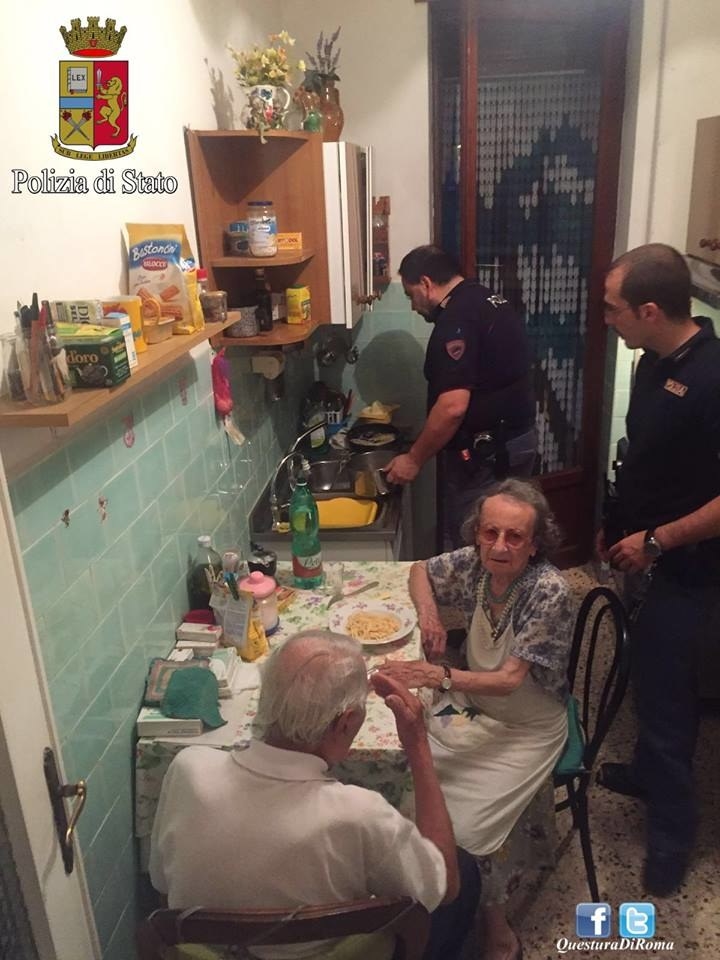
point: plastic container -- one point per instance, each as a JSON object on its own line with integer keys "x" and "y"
{"x": 207, "y": 564}
{"x": 297, "y": 299}
{"x": 262, "y": 228}
{"x": 305, "y": 529}
{"x": 263, "y": 590}
{"x": 246, "y": 326}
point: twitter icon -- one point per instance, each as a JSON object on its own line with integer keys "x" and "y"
{"x": 636, "y": 920}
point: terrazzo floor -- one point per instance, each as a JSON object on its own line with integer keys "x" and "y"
{"x": 690, "y": 918}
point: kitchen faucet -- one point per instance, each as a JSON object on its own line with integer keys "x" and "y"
{"x": 274, "y": 505}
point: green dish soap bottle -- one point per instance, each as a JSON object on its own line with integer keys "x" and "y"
{"x": 305, "y": 529}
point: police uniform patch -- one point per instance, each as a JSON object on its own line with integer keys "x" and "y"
{"x": 455, "y": 348}
{"x": 678, "y": 389}
{"x": 496, "y": 300}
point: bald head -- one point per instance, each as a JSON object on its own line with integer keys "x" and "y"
{"x": 313, "y": 678}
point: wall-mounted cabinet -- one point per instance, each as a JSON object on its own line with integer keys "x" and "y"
{"x": 230, "y": 167}
{"x": 703, "y": 238}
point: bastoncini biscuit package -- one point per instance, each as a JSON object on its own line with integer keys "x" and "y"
{"x": 158, "y": 256}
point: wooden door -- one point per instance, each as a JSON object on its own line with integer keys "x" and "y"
{"x": 529, "y": 121}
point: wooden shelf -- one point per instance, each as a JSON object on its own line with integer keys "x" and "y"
{"x": 282, "y": 334}
{"x": 253, "y": 134}
{"x": 84, "y": 403}
{"x": 282, "y": 258}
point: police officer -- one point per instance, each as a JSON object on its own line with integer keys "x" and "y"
{"x": 669, "y": 509}
{"x": 477, "y": 365}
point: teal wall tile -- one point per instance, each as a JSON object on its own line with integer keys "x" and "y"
{"x": 108, "y": 595}
{"x": 91, "y": 462}
{"x": 122, "y": 941}
{"x": 40, "y": 497}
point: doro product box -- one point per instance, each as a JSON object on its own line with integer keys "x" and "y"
{"x": 96, "y": 356}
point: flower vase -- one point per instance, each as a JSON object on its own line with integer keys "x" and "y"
{"x": 266, "y": 107}
{"x": 332, "y": 113}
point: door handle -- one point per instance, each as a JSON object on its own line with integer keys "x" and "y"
{"x": 58, "y": 793}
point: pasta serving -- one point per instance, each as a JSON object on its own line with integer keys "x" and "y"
{"x": 368, "y": 627}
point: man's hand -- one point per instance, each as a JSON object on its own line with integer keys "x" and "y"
{"x": 402, "y": 469}
{"x": 433, "y": 635}
{"x": 406, "y": 707}
{"x": 628, "y": 554}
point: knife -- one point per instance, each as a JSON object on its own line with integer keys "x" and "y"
{"x": 344, "y": 596}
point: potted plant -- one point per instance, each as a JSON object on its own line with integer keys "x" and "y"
{"x": 263, "y": 72}
{"x": 321, "y": 79}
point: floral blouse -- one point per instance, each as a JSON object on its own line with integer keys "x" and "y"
{"x": 542, "y": 617}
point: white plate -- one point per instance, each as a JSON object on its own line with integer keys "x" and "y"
{"x": 338, "y": 618}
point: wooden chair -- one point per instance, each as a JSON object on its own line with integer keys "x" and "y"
{"x": 607, "y": 670}
{"x": 407, "y": 919}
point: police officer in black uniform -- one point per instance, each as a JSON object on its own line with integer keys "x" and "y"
{"x": 668, "y": 524}
{"x": 477, "y": 365}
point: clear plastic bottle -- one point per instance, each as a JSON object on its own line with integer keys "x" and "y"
{"x": 206, "y": 565}
{"x": 305, "y": 528}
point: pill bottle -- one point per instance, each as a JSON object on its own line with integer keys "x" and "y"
{"x": 263, "y": 590}
{"x": 262, "y": 228}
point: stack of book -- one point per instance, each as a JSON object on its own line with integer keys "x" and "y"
{"x": 224, "y": 664}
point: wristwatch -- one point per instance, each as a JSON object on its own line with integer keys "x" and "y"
{"x": 651, "y": 546}
{"x": 446, "y": 682}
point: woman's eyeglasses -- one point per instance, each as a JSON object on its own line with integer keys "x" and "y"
{"x": 489, "y": 536}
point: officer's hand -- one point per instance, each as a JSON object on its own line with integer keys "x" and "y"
{"x": 402, "y": 469}
{"x": 628, "y": 554}
{"x": 600, "y": 547}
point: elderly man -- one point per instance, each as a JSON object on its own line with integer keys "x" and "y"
{"x": 266, "y": 826}
{"x": 666, "y": 537}
{"x": 480, "y": 407}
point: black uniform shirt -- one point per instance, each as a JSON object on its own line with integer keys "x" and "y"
{"x": 479, "y": 344}
{"x": 672, "y": 465}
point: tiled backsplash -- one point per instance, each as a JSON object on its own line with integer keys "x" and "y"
{"x": 108, "y": 583}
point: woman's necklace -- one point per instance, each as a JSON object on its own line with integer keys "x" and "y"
{"x": 507, "y": 597}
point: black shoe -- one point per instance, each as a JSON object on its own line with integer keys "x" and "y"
{"x": 664, "y": 872}
{"x": 618, "y": 778}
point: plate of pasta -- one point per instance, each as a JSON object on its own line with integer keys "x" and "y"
{"x": 372, "y": 623}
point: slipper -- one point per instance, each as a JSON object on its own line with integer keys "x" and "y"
{"x": 618, "y": 778}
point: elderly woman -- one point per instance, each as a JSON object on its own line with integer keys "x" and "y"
{"x": 500, "y": 724}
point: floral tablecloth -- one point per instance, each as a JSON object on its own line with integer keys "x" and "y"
{"x": 376, "y": 761}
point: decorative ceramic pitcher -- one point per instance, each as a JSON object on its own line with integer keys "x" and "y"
{"x": 266, "y": 107}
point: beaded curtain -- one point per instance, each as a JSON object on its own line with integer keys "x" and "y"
{"x": 537, "y": 148}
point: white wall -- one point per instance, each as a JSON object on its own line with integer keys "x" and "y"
{"x": 673, "y": 59}
{"x": 384, "y": 94}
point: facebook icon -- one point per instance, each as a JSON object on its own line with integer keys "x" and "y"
{"x": 592, "y": 920}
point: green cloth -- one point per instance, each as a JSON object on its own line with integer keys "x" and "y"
{"x": 193, "y": 693}
{"x": 571, "y": 759}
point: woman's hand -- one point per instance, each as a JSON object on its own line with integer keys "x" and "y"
{"x": 413, "y": 673}
{"x": 433, "y": 635}
{"x": 408, "y": 711}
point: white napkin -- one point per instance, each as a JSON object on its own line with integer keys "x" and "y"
{"x": 247, "y": 677}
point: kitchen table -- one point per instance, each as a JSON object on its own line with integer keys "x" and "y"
{"x": 376, "y": 760}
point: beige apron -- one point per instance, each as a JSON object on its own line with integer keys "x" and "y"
{"x": 492, "y": 764}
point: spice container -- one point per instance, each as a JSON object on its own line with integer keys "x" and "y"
{"x": 263, "y": 590}
{"x": 214, "y": 306}
{"x": 246, "y": 326}
{"x": 262, "y": 228}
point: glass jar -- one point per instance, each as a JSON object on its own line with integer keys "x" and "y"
{"x": 262, "y": 228}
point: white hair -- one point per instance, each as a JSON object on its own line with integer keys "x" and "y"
{"x": 307, "y": 683}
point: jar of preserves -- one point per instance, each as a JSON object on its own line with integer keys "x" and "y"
{"x": 262, "y": 228}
